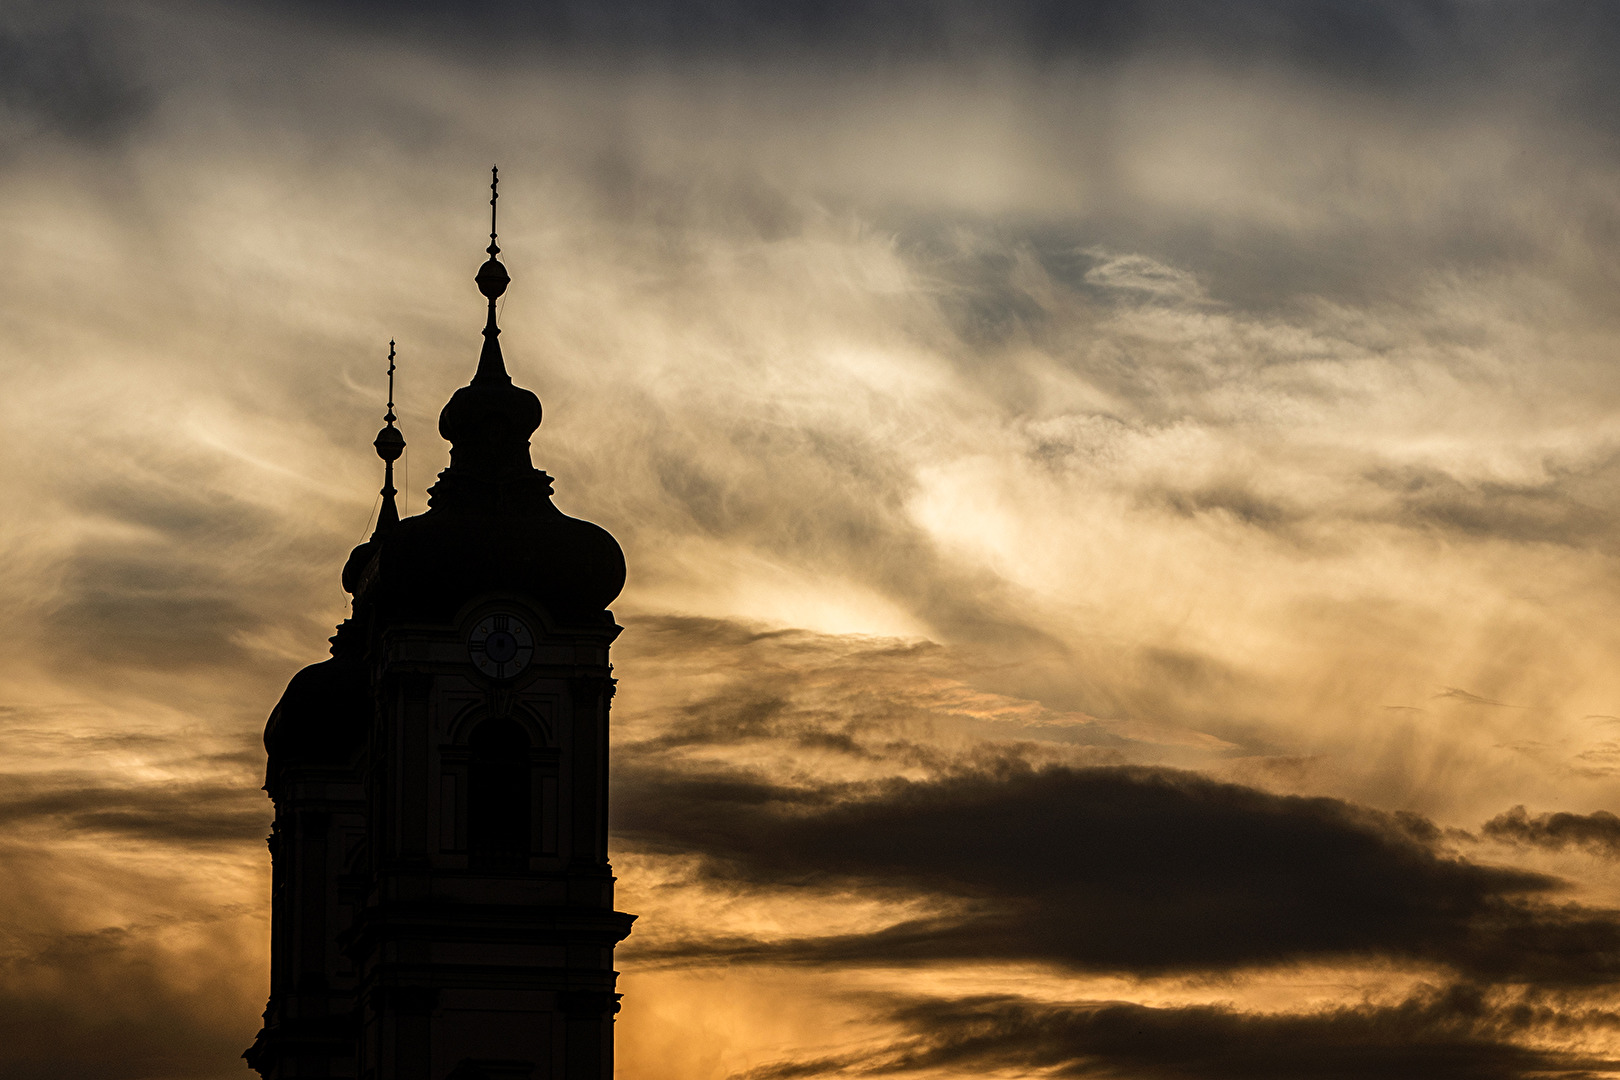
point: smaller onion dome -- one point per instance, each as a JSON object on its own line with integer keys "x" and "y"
{"x": 390, "y": 444}
{"x": 321, "y": 718}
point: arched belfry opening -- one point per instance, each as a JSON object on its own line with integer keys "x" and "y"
{"x": 441, "y": 896}
{"x": 500, "y": 794}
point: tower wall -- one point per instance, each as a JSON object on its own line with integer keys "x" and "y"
{"x": 494, "y": 963}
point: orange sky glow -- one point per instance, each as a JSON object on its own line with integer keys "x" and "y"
{"x": 1195, "y": 438}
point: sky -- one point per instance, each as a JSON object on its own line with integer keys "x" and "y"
{"x": 1122, "y": 503}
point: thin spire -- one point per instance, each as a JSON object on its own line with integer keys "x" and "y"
{"x": 492, "y": 280}
{"x": 389, "y": 416}
{"x": 494, "y": 249}
{"x": 390, "y": 445}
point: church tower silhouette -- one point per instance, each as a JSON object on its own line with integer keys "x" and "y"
{"x": 442, "y": 903}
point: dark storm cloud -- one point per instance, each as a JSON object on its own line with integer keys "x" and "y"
{"x": 1121, "y": 869}
{"x": 61, "y": 71}
{"x": 1597, "y": 832}
{"x": 1452, "y": 1033}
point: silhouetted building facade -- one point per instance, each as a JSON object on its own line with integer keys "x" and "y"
{"x": 442, "y": 902}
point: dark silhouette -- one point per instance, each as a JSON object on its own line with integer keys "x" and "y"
{"x": 498, "y": 794}
{"x": 442, "y": 903}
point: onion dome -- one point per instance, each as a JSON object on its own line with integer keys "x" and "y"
{"x": 490, "y": 524}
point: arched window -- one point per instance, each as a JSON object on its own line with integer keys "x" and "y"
{"x": 498, "y": 799}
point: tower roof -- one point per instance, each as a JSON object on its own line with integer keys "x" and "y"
{"x": 488, "y": 421}
{"x": 490, "y": 524}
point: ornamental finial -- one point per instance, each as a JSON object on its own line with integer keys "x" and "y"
{"x": 390, "y": 444}
{"x": 492, "y": 280}
{"x": 494, "y": 249}
{"x": 389, "y": 416}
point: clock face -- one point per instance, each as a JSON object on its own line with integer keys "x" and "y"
{"x": 501, "y": 645}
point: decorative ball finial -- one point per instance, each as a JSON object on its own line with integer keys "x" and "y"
{"x": 390, "y": 443}
{"x": 492, "y": 280}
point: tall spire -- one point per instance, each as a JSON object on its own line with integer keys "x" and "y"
{"x": 492, "y": 280}
{"x": 488, "y": 422}
{"x": 390, "y": 445}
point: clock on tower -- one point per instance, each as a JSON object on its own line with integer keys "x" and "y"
{"x": 501, "y": 645}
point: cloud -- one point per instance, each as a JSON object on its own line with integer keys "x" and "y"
{"x": 113, "y": 1005}
{"x": 1597, "y": 832}
{"x": 63, "y": 72}
{"x": 132, "y": 872}
{"x": 849, "y": 517}
{"x": 1200, "y": 377}
{"x": 165, "y": 987}
{"x": 1231, "y": 500}
{"x": 1118, "y": 869}
{"x": 1455, "y": 1032}
{"x": 887, "y": 703}
{"x": 210, "y": 812}
{"x": 1570, "y": 507}
{"x": 1376, "y": 39}
{"x": 1137, "y": 273}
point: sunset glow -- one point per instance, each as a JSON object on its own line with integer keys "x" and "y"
{"x": 1122, "y": 502}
